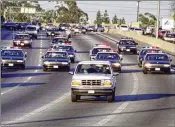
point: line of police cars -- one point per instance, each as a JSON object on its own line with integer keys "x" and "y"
{"x": 96, "y": 77}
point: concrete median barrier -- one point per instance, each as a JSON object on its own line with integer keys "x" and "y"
{"x": 166, "y": 46}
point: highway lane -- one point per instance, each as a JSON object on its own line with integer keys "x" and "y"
{"x": 50, "y": 104}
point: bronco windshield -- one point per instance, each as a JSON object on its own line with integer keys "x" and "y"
{"x": 93, "y": 68}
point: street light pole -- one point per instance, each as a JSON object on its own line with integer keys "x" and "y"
{"x": 158, "y": 16}
{"x": 138, "y": 7}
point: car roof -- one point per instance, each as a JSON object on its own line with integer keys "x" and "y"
{"x": 22, "y": 34}
{"x": 108, "y": 52}
{"x": 94, "y": 62}
{"x": 31, "y": 26}
{"x": 56, "y": 51}
{"x": 11, "y": 49}
{"x": 157, "y": 54}
{"x": 102, "y": 47}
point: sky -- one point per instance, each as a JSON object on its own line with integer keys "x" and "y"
{"x": 126, "y": 9}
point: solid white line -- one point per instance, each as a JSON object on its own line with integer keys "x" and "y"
{"x": 121, "y": 107}
{"x": 41, "y": 109}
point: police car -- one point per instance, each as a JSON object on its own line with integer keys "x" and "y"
{"x": 99, "y": 48}
{"x": 112, "y": 57}
{"x": 22, "y": 39}
{"x": 54, "y": 59}
{"x": 60, "y": 40}
{"x": 144, "y": 50}
{"x": 156, "y": 62}
{"x": 13, "y": 58}
{"x": 127, "y": 45}
{"x": 68, "y": 48}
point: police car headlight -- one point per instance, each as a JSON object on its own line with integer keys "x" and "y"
{"x": 17, "y": 41}
{"x": 107, "y": 83}
{"x": 117, "y": 64}
{"x": 76, "y": 82}
{"x": 3, "y": 61}
{"x": 46, "y": 62}
{"x": 148, "y": 65}
{"x": 166, "y": 65}
{"x": 26, "y": 41}
{"x": 64, "y": 63}
{"x": 19, "y": 61}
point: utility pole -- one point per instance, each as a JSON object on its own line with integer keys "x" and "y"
{"x": 158, "y": 17}
{"x": 138, "y": 7}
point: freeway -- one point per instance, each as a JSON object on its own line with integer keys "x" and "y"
{"x": 32, "y": 97}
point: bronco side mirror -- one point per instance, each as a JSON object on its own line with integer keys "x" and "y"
{"x": 42, "y": 57}
{"x": 71, "y": 72}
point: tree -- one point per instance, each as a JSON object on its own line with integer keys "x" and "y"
{"x": 98, "y": 18}
{"x": 123, "y": 21}
{"x": 147, "y": 19}
{"x": 115, "y": 19}
{"x": 69, "y": 12}
{"x": 106, "y": 19}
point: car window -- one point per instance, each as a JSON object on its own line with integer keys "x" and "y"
{"x": 157, "y": 57}
{"x": 22, "y": 37}
{"x": 64, "y": 48}
{"x": 93, "y": 68}
{"x": 30, "y": 28}
{"x": 55, "y": 55}
{"x": 96, "y": 50}
{"x": 108, "y": 56}
{"x": 125, "y": 42}
{"x": 12, "y": 53}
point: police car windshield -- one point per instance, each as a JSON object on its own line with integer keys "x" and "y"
{"x": 127, "y": 42}
{"x": 17, "y": 53}
{"x": 93, "y": 68}
{"x": 56, "y": 55}
{"x": 160, "y": 57}
{"x": 65, "y": 48}
{"x": 111, "y": 56}
{"x": 56, "y": 40}
{"x": 171, "y": 35}
{"x": 22, "y": 37}
{"x": 96, "y": 50}
{"x": 144, "y": 52}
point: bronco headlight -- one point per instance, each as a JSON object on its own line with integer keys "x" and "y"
{"x": 17, "y": 41}
{"x": 148, "y": 65}
{"x": 19, "y": 61}
{"x": 46, "y": 62}
{"x": 76, "y": 82}
{"x": 117, "y": 64}
{"x": 166, "y": 65}
{"x": 107, "y": 83}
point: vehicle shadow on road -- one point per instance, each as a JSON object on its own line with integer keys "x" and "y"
{"x": 131, "y": 70}
{"x": 125, "y": 98}
{"x": 89, "y": 116}
{"x": 15, "y": 75}
{"x": 5, "y": 85}
{"x": 129, "y": 64}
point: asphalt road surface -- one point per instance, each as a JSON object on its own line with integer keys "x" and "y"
{"x": 31, "y": 97}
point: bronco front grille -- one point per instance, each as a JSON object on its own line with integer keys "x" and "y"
{"x": 91, "y": 82}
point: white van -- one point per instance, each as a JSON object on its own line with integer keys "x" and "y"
{"x": 124, "y": 27}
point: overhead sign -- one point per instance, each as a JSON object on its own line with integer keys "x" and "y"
{"x": 28, "y": 10}
{"x": 168, "y": 23}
